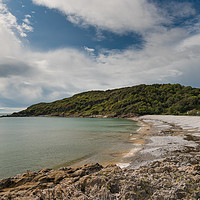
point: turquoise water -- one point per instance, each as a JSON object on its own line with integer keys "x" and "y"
{"x": 37, "y": 142}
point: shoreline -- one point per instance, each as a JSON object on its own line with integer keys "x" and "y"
{"x": 137, "y": 139}
{"x": 141, "y": 140}
{"x": 159, "y": 136}
{"x": 166, "y": 165}
{"x": 115, "y": 159}
{"x": 119, "y": 137}
{"x": 167, "y": 135}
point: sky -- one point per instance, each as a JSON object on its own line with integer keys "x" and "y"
{"x": 51, "y": 49}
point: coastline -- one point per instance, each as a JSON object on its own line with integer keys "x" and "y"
{"x": 117, "y": 155}
{"x": 91, "y": 140}
{"x": 137, "y": 140}
{"x": 163, "y": 164}
{"x": 159, "y": 136}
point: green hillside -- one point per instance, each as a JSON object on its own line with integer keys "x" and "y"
{"x": 141, "y": 99}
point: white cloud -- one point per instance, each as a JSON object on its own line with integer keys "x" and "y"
{"x": 27, "y": 16}
{"x": 178, "y": 9}
{"x": 190, "y": 42}
{"x": 115, "y": 15}
{"x": 5, "y": 110}
{"x": 9, "y": 21}
{"x": 26, "y": 19}
{"x": 27, "y": 27}
{"x": 59, "y": 73}
{"x": 89, "y": 50}
{"x": 29, "y": 76}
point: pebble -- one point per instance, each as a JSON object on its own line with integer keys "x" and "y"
{"x": 159, "y": 180}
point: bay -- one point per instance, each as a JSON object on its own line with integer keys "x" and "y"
{"x": 33, "y": 143}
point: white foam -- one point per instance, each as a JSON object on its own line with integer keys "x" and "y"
{"x": 123, "y": 165}
{"x": 132, "y": 152}
{"x": 133, "y": 139}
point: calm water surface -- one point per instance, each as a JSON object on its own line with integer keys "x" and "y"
{"x": 37, "y": 142}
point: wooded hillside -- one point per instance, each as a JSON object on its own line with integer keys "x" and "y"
{"x": 141, "y": 100}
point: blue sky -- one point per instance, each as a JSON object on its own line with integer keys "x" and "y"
{"x": 52, "y": 30}
{"x": 53, "y": 49}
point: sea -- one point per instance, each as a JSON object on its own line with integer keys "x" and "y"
{"x": 33, "y": 143}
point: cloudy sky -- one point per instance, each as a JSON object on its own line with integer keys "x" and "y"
{"x": 52, "y": 49}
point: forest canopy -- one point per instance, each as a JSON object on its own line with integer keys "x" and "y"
{"x": 140, "y": 100}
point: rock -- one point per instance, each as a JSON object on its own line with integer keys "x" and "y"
{"x": 151, "y": 171}
{"x": 180, "y": 194}
{"x": 170, "y": 178}
{"x": 44, "y": 170}
{"x": 197, "y": 168}
{"x": 6, "y": 183}
{"x": 196, "y": 195}
{"x": 130, "y": 195}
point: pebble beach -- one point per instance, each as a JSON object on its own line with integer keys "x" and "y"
{"x": 164, "y": 163}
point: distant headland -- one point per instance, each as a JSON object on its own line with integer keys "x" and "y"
{"x": 158, "y": 99}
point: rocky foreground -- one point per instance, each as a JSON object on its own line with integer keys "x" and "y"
{"x": 176, "y": 175}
